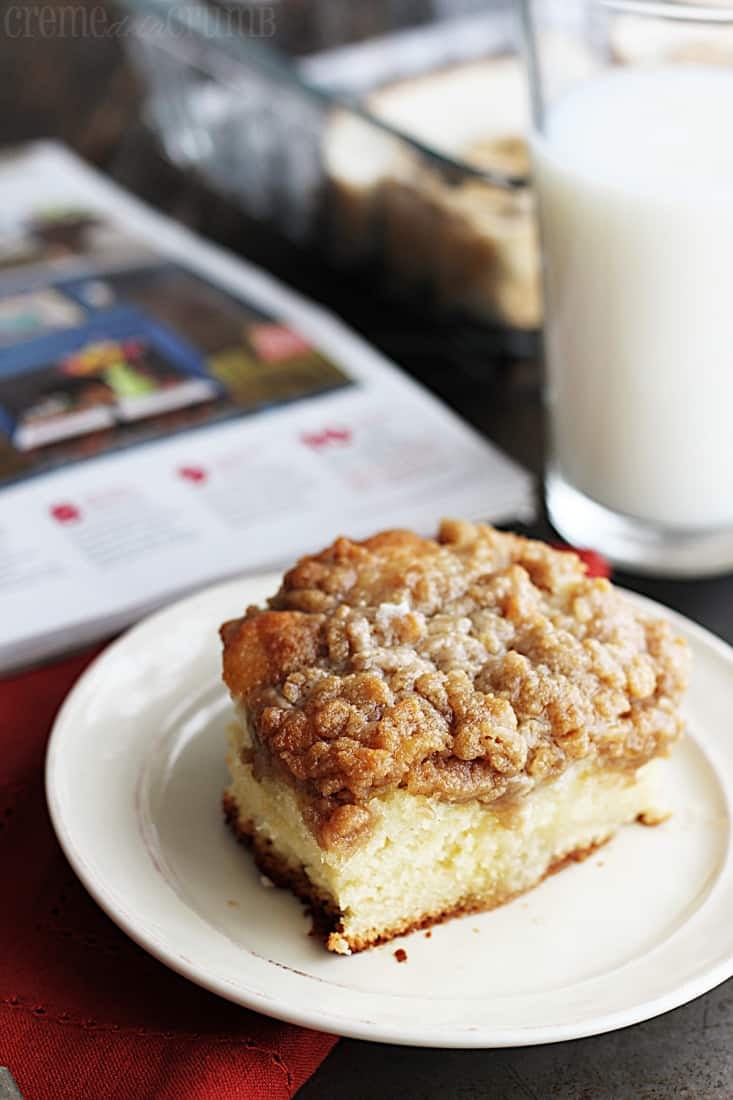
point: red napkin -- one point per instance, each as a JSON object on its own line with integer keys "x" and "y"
{"x": 84, "y": 1013}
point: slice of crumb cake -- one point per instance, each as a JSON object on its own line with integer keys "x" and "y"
{"x": 429, "y": 727}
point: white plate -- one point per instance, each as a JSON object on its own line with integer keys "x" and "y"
{"x": 134, "y": 776}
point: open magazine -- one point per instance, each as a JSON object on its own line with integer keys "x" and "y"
{"x": 170, "y": 415}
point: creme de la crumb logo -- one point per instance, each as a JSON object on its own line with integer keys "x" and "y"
{"x": 84, "y": 20}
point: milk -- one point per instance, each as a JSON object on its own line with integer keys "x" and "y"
{"x": 635, "y": 181}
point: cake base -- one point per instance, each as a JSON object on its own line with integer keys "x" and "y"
{"x": 425, "y": 861}
{"x": 327, "y": 918}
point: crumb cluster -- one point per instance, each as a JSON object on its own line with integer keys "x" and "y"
{"x": 472, "y": 666}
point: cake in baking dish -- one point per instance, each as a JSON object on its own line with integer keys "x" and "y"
{"x": 428, "y": 727}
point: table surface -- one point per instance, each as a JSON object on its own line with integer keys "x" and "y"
{"x": 685, "y": 1053}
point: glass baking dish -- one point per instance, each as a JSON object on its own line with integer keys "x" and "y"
{"x": 402, "y": 154}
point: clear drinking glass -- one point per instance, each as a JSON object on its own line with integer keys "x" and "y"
{"x": 632, "y": 150}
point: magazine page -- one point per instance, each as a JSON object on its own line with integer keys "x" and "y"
{"x": 170, "y": 415}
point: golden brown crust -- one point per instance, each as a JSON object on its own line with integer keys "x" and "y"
{"x": 471, "y": 666}
{"x": 325, "y": 914}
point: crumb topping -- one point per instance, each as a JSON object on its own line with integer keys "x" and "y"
{"x": 472, "y": 666}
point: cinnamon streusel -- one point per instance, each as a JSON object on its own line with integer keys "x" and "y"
{"x": 405, "y": 695}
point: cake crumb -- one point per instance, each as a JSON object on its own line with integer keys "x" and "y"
{"x": 653, "y": 817}
{"x": 338, "y": 943}
{"x": 266, "y": 882}
{"x": 475, "y": 929}
{"x": 401, "y": 955}
{"x": 232, "y": 903}
{"x": 428, "y": 934}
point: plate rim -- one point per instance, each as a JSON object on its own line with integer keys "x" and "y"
{"x": 325, "y": 1020}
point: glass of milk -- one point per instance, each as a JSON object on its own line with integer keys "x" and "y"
{"x": 633, "y": 166}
